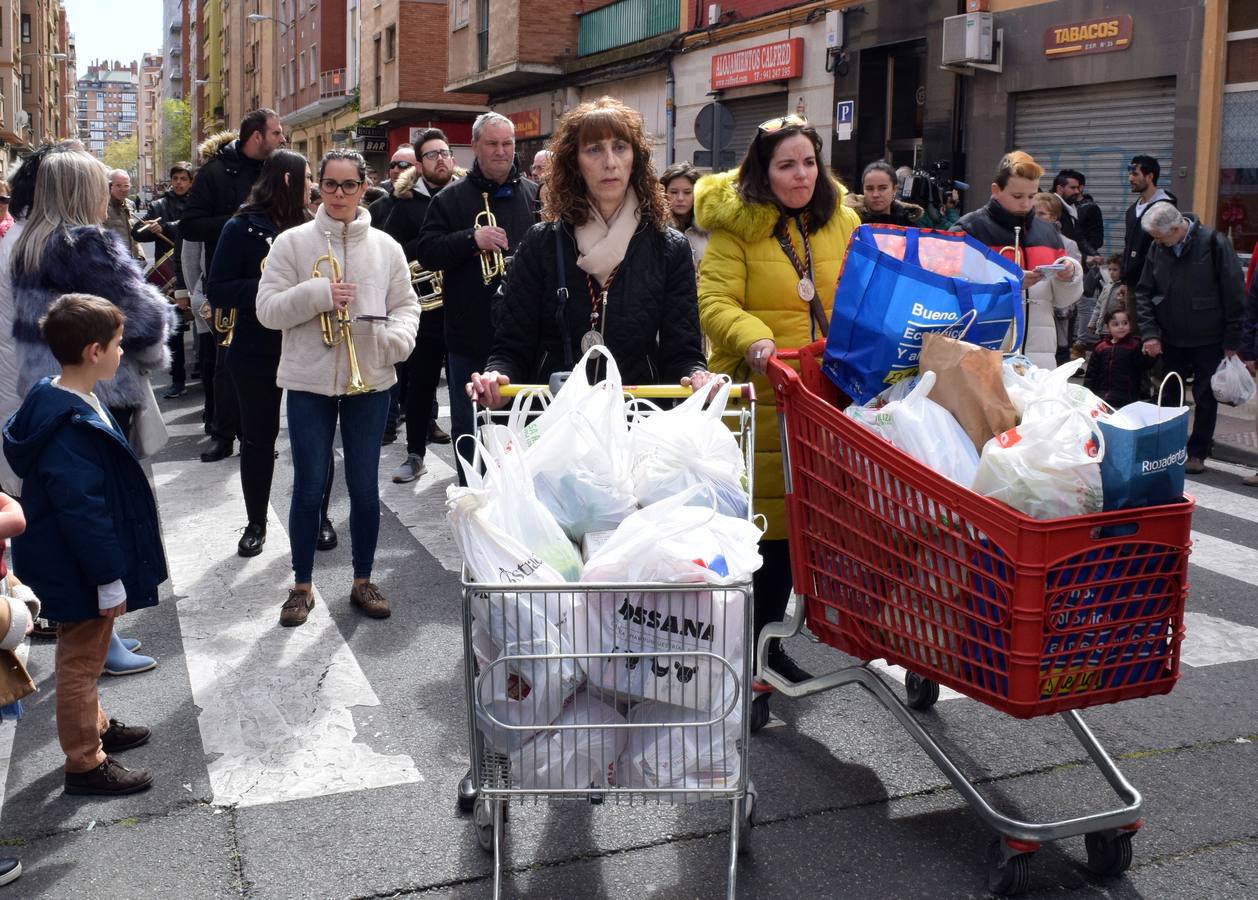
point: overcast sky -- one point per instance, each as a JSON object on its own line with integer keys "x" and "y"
{"x": 104, "y": 29}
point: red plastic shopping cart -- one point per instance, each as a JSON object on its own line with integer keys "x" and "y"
{"x": 893, "y": 561}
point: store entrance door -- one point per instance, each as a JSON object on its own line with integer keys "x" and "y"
{"x": 892, "y": 103}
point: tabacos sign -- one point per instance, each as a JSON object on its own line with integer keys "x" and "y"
{"x": 1094, "y": 36}
{"x": 755, "y": 65}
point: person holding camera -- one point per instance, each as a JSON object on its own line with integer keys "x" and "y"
{"x": 878, "y": 205}
{"x": 944, "y": 218}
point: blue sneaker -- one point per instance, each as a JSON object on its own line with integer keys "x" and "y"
{"x": 132, "y": 644}
{"x": 121, "y": 661}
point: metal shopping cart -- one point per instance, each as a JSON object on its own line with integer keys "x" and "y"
{"x": 893, "y": 561}
{"x": 610, "y": 693}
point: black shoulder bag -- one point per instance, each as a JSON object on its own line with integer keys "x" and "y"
{"x": 561, "y": 306}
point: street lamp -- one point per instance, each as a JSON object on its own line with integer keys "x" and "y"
{"x": 256, "y": 18}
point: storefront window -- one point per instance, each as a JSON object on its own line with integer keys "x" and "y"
{"x": 1238, "y": 175}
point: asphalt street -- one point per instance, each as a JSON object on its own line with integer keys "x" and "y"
{"x": 321, "y": 762}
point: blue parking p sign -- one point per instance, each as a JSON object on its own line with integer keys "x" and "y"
{"x": 846, "y": 112}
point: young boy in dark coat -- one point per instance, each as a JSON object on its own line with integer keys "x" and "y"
{"x": 92, "y": 547}
{"x": 1117, "y": 365}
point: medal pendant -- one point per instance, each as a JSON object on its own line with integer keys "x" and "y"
{"x": 806, "y": 290}
{"x": 590, "y": 339}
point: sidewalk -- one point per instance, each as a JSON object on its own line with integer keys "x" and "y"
{"x": 1234, "y": 437}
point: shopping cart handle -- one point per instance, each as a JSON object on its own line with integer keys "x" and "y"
{"x": 642, "y": 391}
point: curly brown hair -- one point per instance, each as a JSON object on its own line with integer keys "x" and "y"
{"x": 594, "y": 120}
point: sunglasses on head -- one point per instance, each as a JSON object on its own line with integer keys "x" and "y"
{"x": 791, "y": 121}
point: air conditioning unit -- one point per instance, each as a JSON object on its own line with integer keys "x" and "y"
{"x": 969, "y": 38}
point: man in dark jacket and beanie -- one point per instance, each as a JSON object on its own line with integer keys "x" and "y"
{"x": 413, "y": 191}
{"x": 450, "y": 243}
{"x": 162, "y": 227}
{"x": 221, "y": 185}
{"x": 1191, "y": 305}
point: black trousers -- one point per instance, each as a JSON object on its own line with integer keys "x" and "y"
{"x": 225, "y": 425}
{"x": 772, "y": 584}
{"x": 207, "y": 356}
{"x": 258, "y": 400}
{"x": 423, "y": 375}
{"x": 1199, "y": 362}
{"x": 178, "y": 367}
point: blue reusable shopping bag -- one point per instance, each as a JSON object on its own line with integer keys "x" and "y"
{"x": 1144, "y": 463}
{"x": 898, "y": 283}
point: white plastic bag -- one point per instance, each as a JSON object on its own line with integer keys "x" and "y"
{"x": 676, "y": 448}
{"x": 1037, "y": 384}
{"x": 575, "y": 394}
{"x": 676, "y": 543}
{"x": 511, "y": 503}
{"x": 1231, "y": 382}
{"x": 577, "y": 758}
{"x": 925, "y": 430}
{"x": 677, "y": 640}
{"x": 681, "y": 756}
{"x": 1047, "y": 467}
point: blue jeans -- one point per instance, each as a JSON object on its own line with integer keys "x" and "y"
{"x": 311, "y": 429}
{"x": 459, "y": 369}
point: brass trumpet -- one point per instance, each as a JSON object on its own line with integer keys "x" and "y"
{"x": 428, "y": 287}
{"x": 224, "y": 322}
{"x": 334, "y": 327}
{"x": 491, "y": 262}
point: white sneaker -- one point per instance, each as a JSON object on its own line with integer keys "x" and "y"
{"x": 409, "y": 470}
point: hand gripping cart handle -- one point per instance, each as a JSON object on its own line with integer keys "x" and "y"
{"x": 891, "y": 560}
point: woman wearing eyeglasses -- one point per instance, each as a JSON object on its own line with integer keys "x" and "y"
{"x": 630, "y": 278}
{"x": 778, "y": 232}
{"x": 360, "y": 300}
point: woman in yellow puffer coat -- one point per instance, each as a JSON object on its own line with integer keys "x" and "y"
{"x": 779, "y": 231}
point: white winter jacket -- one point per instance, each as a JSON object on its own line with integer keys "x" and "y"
{"x": 290, "y": 300}
{"x": 1042, "y": 299}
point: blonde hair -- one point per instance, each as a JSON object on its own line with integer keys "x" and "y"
{"x": 1017, "y": 164}
{"x": 1051, "y": 202}
{"x": 70, "y": 190}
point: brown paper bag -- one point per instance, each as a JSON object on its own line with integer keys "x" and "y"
{"x": 968, "y": 385}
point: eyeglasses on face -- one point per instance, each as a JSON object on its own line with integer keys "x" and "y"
{"x": 329, "y": 186}
{"x": 791, "y": 121}
{"x": 400, "y": 164}
{"x": 434, "y": 155}
{"x": 3, "y": 199}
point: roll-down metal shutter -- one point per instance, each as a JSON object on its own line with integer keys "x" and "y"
{"x": 1097, "y": 129}
{"x": 748, "y": 114}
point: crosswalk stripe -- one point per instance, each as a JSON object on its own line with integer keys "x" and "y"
{"x": 275, "y": 702}
{"x": 1224, "y": 501}
{"x": 1223, "y": 557}
{"x": 1210, "y": 641}
{"x": 421, "y": 507}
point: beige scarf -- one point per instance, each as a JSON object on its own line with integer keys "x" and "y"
{"x": 602, "y": 244}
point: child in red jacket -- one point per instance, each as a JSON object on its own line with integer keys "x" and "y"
{"x": 1117, "y": 365}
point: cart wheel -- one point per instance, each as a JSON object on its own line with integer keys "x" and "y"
{"x": 922, "y": 693}
{"x": 467, "y": 794}
{"x": 759, "y": 712}
{"x": 749, "y": 821}
{"x": 1108, "y": 853}
{"x": 1007, "y": 877}
{"x": 483, "y": 821}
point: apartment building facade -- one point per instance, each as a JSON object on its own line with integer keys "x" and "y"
{"x": 149, "y": 126}
{"x": 108, "y": 98}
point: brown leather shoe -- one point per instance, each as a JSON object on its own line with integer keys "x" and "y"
{"x": 296, "y": 608}
{"x": 119, "y": 737}
{"x": 109, "y": 779}
{"x": 1195, "y": 465}
{"x": 368, "y": 598}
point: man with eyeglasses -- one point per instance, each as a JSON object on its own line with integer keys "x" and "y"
{"x": 413, "y": 191}
{"x": 402, "y": 161}
{"x": 450, "y": 243}
{"x": 221, "y": 185}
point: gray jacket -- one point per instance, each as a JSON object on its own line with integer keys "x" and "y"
{"x": 1193, "y": 300}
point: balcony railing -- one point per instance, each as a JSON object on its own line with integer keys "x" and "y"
{"x": 332, "y": 83}
{"x": 626, "y": 22}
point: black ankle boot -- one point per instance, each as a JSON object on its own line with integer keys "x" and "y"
{"x": 219, "y": 449}
{"x": 780, "y": 661}
{"x": 252, "y": 541}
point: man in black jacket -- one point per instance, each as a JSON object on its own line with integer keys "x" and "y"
{"x": 413, "y": 191}
{"x": 1191, "y": 304}
{"x": 220, "y": 187}
{"x": 1068, "y": 186}
{"x": 402, "y": 161}
{"x": 1142, "y": 177}
{"x": 162, "y": 227}
{"x": 450, "y": 242}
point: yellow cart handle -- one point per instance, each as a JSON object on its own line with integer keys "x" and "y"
{"x": 644, "y": 391}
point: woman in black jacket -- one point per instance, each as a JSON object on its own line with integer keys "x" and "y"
{"x": 878, "y": 204}
{"x": 603, "y": 268}
{"x": 276, "y": 202}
